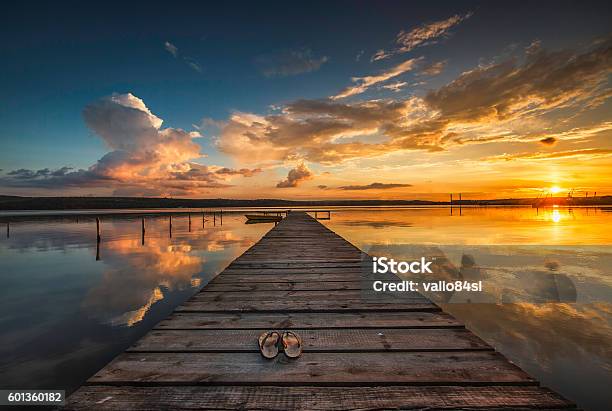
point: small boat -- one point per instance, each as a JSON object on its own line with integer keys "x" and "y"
{"x": 263, "y": 218}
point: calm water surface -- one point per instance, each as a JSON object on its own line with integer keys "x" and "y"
{"x": 66, "y": 314}
{"x": 568, "y": 347}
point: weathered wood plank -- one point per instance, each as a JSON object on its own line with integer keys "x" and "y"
{"x": 326, "y": 340}
{"x": 348, "y": 271}
{"x": 389, "y": 368}
{"x": 283, "y": 286}
{"x": 315, "y": 398}
{"x": 301, "y": 306}
{"x": 280, "y": 277}
{"x": 285, "y": 320}
{"x": 302, "y": 295}
{"x": 296, "y": 264}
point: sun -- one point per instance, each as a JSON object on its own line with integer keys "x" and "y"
{"x": 555, "y": 189}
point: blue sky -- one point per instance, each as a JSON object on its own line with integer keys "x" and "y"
{"x": 194, "y": 61}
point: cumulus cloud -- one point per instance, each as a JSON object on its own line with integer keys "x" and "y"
{"x": 289, "y": 63}
{"x": 296, "y": 176}
{"x": 363, "y": 83}
{"x": 143, "y": 156}
{"x": 491, "y": 103}
{"x": 374, "y": 186}
{"x": 423, "y": 35}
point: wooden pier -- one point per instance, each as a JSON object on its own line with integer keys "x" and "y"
{"x": 358, "y": 354}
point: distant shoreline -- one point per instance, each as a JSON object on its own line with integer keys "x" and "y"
{"x": 16, "y": 203}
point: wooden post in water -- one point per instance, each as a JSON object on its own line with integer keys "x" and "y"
{"x": 214, "y": 218}
{"x": 98, "y": 251}
{"x": 8, "y": 229}
{"x": 143, "y": 231}
{"x": 98, "y": 229}
{"x": 203, "y": 219}
{"x": 170, "y": 226}
{"x": 459, "y": 204}
{"x": 221, "y": 216}
{"x": 189, "y": 222}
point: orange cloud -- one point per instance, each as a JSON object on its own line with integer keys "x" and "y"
{"x": 296, "y": 176}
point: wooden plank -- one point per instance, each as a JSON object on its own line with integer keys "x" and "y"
{"x": 301, "y": 306}
{"x": 389, "y": 368}
{"x": 280, "y": 277}
{"x": 285, "y": 320}
{"x": 326, "y": 340}
{"x": 297, "y": 264}
{"x": 348, "y": 271}
{"x": 282, "y": 286}
{"x": 303, "y": 295}
{"x": 315, "y": 398}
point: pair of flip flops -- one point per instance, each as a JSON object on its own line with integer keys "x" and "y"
{"x": 272, "y": 342}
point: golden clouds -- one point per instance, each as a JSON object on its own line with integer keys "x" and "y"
{"x": 499, "y": 103}
{"x": 296, "y": 176}
{"x": 363, "y": 83}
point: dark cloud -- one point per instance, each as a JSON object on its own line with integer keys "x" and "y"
{"x": 374, "y": 186}
{"x": 53, "y": 179}
{"x": 289, "y": 63}
{"x": 504, "y": 90}
{"x": 549, "y": 141}
{"x": 296, "y": 176}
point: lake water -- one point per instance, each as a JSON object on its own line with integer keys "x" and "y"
{"x": 69, "y": 307}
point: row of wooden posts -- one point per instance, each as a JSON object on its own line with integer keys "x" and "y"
{"x": 143, "y": 228}
{"x": 451, "y": 204}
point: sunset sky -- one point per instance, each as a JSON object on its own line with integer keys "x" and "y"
{"x": 310, "y": 100}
